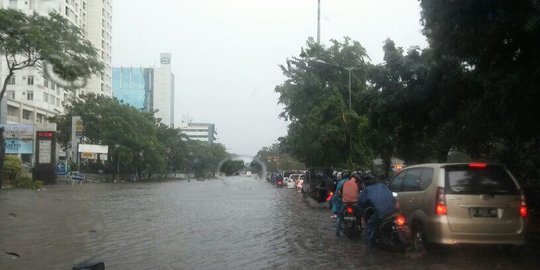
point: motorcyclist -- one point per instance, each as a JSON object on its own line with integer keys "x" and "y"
{"x": 378, "y": 196}
{"x": 337, "y": 206}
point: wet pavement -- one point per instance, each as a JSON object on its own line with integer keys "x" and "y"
{"x": 229, "y": 223}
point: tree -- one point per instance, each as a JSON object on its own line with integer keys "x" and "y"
{"x": 32, "y": 40}
{"x": 276, "y": 159}
{"x": 230, "y": 167}
{"x": 496, "y": 43}
{"x": 132, "y": 135}
{"x": 204, "y": 157}
{"x": 315, "y": 96}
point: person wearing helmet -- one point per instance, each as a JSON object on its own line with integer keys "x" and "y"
{"x": 337, "y": 201}
{"x": 379, "y": 197}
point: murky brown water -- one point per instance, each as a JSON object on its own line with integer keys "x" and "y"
{"x": 231, "y": 223}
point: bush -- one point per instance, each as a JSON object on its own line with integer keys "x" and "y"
{"x": 12, "y": 168}
{"x": 27, "y": 182}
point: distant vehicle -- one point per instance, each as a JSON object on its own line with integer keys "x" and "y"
{"x": 291, "y": 182}
{"x": 317, "y": 183}
{"x": 299, "y": 183}
{"x": 248, "y": 173}
{"x": 461, "y": 203}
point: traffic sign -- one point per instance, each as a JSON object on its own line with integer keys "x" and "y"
{"x": 61, "y": 168}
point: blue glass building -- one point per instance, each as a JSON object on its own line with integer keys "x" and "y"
{"x": 134, "y": 86}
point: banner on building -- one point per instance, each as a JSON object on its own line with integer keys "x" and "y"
{"x": 18, "y": 131}
{"x": 18, "y": 146}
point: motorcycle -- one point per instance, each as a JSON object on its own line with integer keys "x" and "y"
{"x": 392, "y": 232}
{"x": 279, "y": 182}
{"x": 351, "y": 226}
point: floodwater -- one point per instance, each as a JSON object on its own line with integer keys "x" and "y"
{"x": 229, "y": 223}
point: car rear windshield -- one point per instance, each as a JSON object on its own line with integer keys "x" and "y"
{"x": 491, "y": 179}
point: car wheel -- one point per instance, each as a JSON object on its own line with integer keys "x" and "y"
{"x": 418, "y": 245}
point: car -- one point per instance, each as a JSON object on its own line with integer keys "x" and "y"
{"x": 291, "y": 181}
{"x": 317, "y": 183}
{"x": 461, "y": 203}
{"x": 248, "y": 173}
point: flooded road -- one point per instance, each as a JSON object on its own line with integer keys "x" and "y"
{"x": 229, "y": 223}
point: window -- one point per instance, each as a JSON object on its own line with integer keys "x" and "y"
{"x": 395, "y": 185}
{"x": 30, "y": 95}
{"x": 11, "y": 80}
{"x": 45, "y": 97}
{"x": 45, "y": 82}
{"x": 412, "y": 180}
{"x": 492, "y": 179}
{"x": 58, "y": 91}
{"x": 27, "y": 114}
{"x": 53, "y": 86}
{"x": 13, "y": 4}
{"x": 40, "y": 118}
{"x": 426, "y": 178}
{"x": 57, "y": 102}
{"x": 51, "y": 99}
{"x": 10, "y": 94}
{"x": 30, "y": 80}
{"x": 13, "y": 111}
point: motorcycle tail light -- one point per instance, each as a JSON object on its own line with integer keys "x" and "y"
{"x": 349, "y": 210}
{"x": 329, "y": 196}
{"x": 400, "y": 220}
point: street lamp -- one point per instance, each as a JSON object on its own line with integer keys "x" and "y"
{"x": 116, "y": 146}
{"x": 349, "y": 69}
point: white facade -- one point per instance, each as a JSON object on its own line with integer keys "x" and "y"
{"x": 163, "y": 97}
{"x": 199, "y": 131}
{"x": 30, "y": 97}
{"x": 99, "y": 31}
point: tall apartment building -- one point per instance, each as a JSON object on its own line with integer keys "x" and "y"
{"x": 30, "y": 97}
{"x": 147, "y": 89}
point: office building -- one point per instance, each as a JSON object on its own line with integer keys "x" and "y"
{"x": 199, "y": 131}
{"x": 148, "y": 89}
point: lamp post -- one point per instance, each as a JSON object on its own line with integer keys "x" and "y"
{"x": 116, "y": 146}
{"x": 349, "y": 70}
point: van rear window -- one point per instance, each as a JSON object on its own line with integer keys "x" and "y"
{"x": 492, "y": 179}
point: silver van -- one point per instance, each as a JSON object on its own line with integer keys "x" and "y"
{"x": 476, "y": 203}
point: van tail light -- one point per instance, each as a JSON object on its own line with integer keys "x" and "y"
{"x": 440, "y": 205}
{"x": 477, "y": 165}
{"x": 523, "y": 206}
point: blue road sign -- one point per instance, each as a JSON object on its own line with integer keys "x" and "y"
{"x": 61, "y": 168}
{"x": 78, "y": 176}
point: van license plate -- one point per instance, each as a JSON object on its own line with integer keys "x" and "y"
{"x": 484, "y": 212}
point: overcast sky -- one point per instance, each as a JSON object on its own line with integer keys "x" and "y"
{"x": 225, "y": 53}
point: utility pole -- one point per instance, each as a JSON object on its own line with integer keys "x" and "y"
{"x": 319, "y": 22}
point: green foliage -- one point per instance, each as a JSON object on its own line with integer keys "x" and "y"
{"x": 12, "y": 168}
{"x": 204, "y": 157}
{"x": 230, "y": 167}
{"x": 495, "y": 43}
{"x": 132, "y": 135}
{"x": 276, "y": 159}
{"x": 315, "y": 96}
{"x": 26, "y": 40}
{"x": 27, "y": 182}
